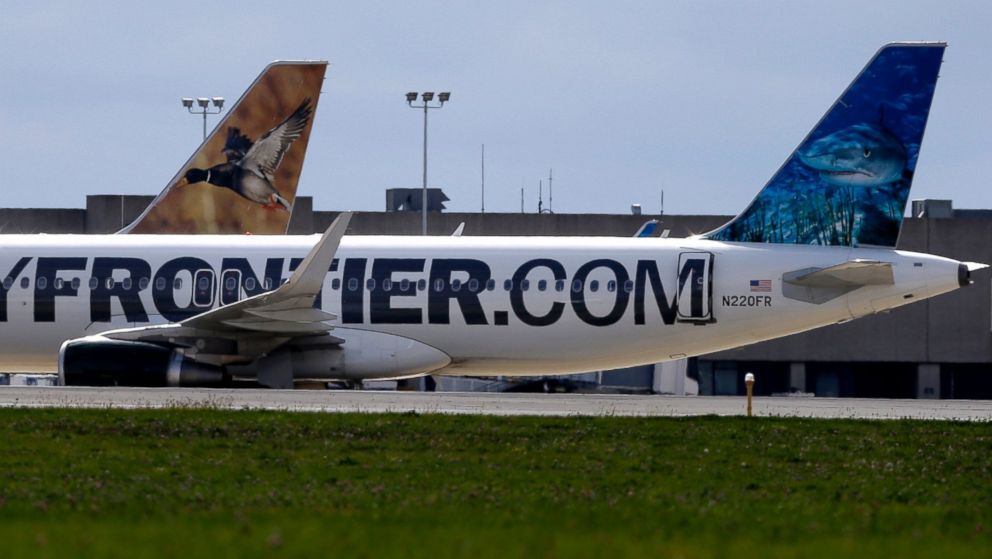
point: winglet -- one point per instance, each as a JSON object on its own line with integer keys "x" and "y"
{"x": 309, "y": 275}
{"x": 283, "y": 90}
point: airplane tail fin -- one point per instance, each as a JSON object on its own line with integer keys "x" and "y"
{"x": 848, "y": 182}
{"x": 249, "y": 165}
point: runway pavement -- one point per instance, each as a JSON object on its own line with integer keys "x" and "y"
{"x": 372, "y": 401}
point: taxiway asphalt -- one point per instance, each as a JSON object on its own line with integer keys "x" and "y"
{"x": 374, "y": 401}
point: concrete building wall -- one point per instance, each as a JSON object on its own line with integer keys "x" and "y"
{"x": 515, "y": 224}
{"x": 42, "y": 220}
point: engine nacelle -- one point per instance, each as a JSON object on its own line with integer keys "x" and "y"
{"x": 99, "y": 361}
{"x": 363, "y": 355}
{"x": 366, "y": 354}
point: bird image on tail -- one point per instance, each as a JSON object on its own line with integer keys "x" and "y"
{"x": 250, "y": 167}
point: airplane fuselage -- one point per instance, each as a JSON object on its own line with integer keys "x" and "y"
{"x": 493, "y": 305}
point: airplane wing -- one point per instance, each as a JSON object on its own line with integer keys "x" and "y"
{"x": 254, "y": 326}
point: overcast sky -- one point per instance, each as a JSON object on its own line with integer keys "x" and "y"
{"x": 622, "y": 99}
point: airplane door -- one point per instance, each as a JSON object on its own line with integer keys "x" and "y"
{"x": 695, "y": 287}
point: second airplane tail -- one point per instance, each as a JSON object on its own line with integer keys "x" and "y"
{"x": 243, "y": 178}
{"x": 848, "y": 181}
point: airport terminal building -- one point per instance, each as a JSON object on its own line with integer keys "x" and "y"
{"x": 938, "y": 348}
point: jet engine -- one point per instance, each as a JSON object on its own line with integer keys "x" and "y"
{"x": 99, "y": 361}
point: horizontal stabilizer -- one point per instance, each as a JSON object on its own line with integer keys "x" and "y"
{"x": 819, "y": 285}
{"x": 855, "y": 273}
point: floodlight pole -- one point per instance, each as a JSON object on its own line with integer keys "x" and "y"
{"x": 204, "y": 104}
{"x": 426, "y": 97}
{"x": 423, "y": 200}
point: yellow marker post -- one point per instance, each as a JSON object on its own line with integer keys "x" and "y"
{"x": 749, "y": 381}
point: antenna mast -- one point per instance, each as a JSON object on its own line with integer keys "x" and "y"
{"x": 483, "y": 178}
{"x": 551, "y": 194}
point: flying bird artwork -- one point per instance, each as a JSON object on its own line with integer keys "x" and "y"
{"x": 250, "y": 167}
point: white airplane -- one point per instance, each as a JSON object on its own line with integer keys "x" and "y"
{"x": 814, "y": 248}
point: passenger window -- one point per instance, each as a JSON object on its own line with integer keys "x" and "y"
{"x": 456, "y": 284}
{"x": 268, "y": 284}
{"x": 524, "y": 285}
{"x": 473, "y": 285}
{"x": 542, "y": 285}
{"x": 250, "y": 284}
{"x": 438, "y": 285}
{"x": 42, "y": 283}
{"x": 58, "y": 283}
{"x": 387, "y": 284}
{"x": 421, "y": 285}
{"x": 142, "y": 284}
{"x": 628, "y": 286}
{"x": 75, "y": 283}
{"x": 203, "y": 283}
{"x": 230, "y": 283}
{"x": 159, "y": 284}
{"x": 8, "y": 282}
{"x": 594, "y": 285}
{"x": 25, "y": 283}
{"x": 370, "y": 284}
{"x": 576, "y": 286}
{"x": 490, "y": 285}
{"x": 177, "y": 283}
{"x": 93, "y": 283}
{"x": 126, "y": 284}
{"x": 109, "y": 283}
{"x": 353, "y": 284}
{"x": 507, "y": 285}
{"x": 335, "y": 284}
{"x": 404, "y": 285}
{"x": 559, "y": 285}
{"x": 611, "y": 286}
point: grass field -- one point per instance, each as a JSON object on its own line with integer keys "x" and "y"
{"x": 205, "y": 483}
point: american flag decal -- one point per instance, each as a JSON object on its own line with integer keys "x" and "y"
{"x": 761, "y": 286}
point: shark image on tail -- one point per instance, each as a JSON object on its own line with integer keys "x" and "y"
{"x": 848, "y": 181}
{"x": 860, "y": 155}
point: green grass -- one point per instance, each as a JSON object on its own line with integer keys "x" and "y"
{"x": 205, "y": 483}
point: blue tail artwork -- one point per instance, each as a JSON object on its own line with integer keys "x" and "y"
{"x": 848, "y": 182}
